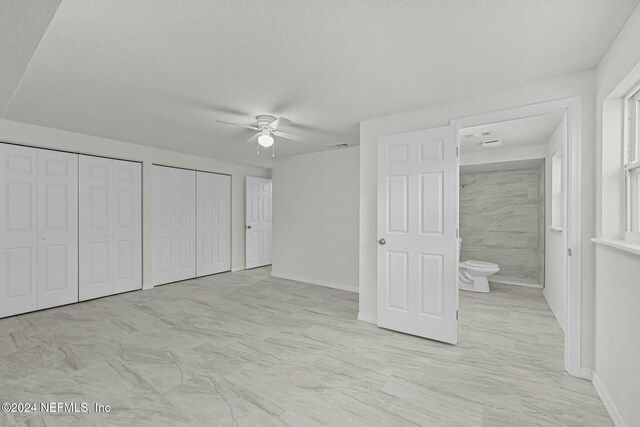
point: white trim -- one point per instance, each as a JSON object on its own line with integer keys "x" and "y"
{"x": 148, "y": 286}
{"x": 326, "y": 284}
{"x": 586, "y": 373}
{"x": 572, "y": 218}
{"x": 369, "y": 318}
{"x": 233, "y": 270}
{"x": 622, "y": 245}
{"x": 617, "y": 419}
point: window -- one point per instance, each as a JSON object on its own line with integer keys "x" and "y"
{"x": 632, "y": 161}
{"x": 556, "y": 192}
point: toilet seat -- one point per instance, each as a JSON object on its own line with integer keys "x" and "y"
{"x": 479, "y": 264}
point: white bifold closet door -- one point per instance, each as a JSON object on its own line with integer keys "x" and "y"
{"x": 174, "y": 224}
{"x": 57, "y": 228}
{"x": 38, "y": 229}
{"x": 213, "y": 229}
{"x": 110, "y": 227}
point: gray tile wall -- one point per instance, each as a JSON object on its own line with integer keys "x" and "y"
{"x": 499, "y": 220}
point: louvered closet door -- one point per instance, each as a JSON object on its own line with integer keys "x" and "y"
{"x": 18, "y": 229}
{"x": 96, "y": 249}
{"x": 184, "y": 213}
{"x": 57, "y": 228}
{"x": 127, "y": 226}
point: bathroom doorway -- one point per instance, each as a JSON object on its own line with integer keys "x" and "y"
{"x": 519, "y": 221}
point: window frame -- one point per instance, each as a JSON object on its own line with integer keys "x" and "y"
{"x": 631, "y": 162}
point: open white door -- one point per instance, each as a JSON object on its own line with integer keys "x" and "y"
{"x": 258, "y": 226}
{"x": 417, "y": 232}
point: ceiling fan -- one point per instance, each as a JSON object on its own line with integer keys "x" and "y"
{"x": 268, "y": 127}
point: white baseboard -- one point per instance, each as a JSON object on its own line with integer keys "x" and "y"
{"x": 586, "y": 373}
{"x": 608, "y": 403}
{"x": 340, "y": 286}
{"x": 147, "y": 286}
{"x": 370, "y": 318}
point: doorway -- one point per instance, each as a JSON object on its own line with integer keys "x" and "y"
{"x": 564, "y": 163}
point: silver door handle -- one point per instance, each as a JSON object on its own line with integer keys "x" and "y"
{"x": 382, "y": 242}
{"x": 248, "y": 227}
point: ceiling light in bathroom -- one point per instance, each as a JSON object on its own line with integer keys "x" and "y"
{"x": 492, "y": 143}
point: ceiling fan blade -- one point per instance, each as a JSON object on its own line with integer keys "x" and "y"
{"x": 280, "y": 121}
{"x": 254, "y": 138}
{"x": 290, "y": 136}
{"x": 238, "y": 124}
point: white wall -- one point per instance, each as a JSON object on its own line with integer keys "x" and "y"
{"x": 554, "y": 285}
{"x": 617, "y": 283}
{"x": 38, "y": 136}
{"x": 562, "y": 87}
{"x": 315, "y": 218}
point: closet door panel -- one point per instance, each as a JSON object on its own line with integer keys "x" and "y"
{"x": 95, "y": 225}
{"x": 163, "y": 225}
{"x": 205, "y": 216}
{"x": 126, "y": 226}
{"x": 184, "y": 192}
{"x": 222, "y": 223}
{"x": 18, "y": 229}
{"x": 57, "y": 228}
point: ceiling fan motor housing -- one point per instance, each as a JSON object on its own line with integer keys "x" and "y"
{"x": 264, "y": 120}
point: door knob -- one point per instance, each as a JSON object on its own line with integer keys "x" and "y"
{"x": 248, "y": 227}
{"x": 382, "y": 242}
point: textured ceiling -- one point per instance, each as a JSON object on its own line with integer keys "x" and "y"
{"x": 514, "y": 133}
{"x": 22, "y": 25}
{"x": 160, "y": 72}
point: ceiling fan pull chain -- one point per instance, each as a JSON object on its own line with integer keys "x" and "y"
{"x": 273, "y": 154}
{"x": 258, "y": 149}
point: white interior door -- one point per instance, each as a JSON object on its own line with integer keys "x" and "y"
{"x": 213, "y": 223}
{"x": 417, "y": 227}
{"x": 163, "y": 225}
{"x": 95, "y": 220}
{"x": 258, "y": 226}
{"x": 222, "y": 223}
{"x": 110, "y": 226}
{"x": 127, "y": 226}
{"x": 18, "y": 229}
{"x": 184, "y": 208}
{"x": 205, "y": 211}
{"x": 57, "y": 228}
{"x": 174, "y": 224}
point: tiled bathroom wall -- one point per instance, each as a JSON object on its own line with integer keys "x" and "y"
{"x": 500, "y": 218}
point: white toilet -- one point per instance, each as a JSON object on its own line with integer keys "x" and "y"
{"x": 472, "y": 275}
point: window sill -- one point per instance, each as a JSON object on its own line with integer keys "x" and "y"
{"x": 622, "y": 245}
{"x": 556, "y": 229}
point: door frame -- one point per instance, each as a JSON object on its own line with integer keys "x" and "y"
{"x": 573, "y": 216}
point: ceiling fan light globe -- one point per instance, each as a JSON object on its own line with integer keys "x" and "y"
{"x": 265, "y": 140}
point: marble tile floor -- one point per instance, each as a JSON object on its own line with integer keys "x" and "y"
{"x": 245, "y": 349}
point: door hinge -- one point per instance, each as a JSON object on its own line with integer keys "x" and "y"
{"x": 457, "y": 233}
{"x": 569, "y": 252}
{"x": 457, "y": 151}
{"x": 456, "y": 314}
